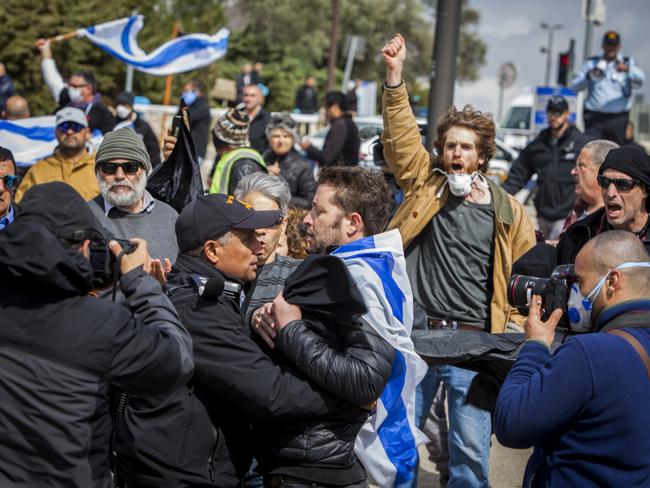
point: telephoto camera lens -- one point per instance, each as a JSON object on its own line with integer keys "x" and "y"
{"x": 521, "y": 289}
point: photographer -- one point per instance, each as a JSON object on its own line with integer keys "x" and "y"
{"x": 586, "y": 407}
{"x": 609, "y": 80}
{"x": 61, "y": 350}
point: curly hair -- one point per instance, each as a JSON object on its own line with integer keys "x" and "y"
{"x": 480, "y": 123}
{"x": 296, "y": 234}
{"x": 362, "y": 191}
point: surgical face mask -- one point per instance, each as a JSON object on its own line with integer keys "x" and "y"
{"x": 460, "y": 184}
{"x": 122, "y": 112}
{"x": 189, "y": 97}
{"x": 75, "y": 94}
{"x": 580, "y": 308}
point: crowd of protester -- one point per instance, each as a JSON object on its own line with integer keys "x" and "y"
{"x": 230, "y": 343}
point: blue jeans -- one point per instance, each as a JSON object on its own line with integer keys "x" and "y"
{"x": 469, "y": 427}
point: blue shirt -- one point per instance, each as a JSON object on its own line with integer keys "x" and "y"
{"x": 588, "y": 405}
{"x": 612, "y": 93}
{"x": 7, "y": 219}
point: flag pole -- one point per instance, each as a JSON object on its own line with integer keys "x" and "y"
{"x": 168, "y": 87}
{"x": 63, "y": 37}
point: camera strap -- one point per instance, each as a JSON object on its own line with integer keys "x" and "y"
{"x": 643, "y": 354}
{"x": 116, "y": 273}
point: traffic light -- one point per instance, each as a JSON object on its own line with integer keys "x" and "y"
{"x": 563, "y": 68}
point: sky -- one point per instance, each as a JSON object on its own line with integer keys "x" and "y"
{"x": 511, "y": 29}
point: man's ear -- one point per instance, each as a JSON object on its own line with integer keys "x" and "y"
{"x": 614, "y": 281}
{"x": 212, "y": 252}
{"x": 356, "y": 223}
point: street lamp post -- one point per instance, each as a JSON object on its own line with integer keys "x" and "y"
{"x": 549, "y": 49}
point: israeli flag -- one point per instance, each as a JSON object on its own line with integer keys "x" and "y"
{"x": 387, "y": 443}
{"x": 34, "y": 138}
{"x": 119, "y": 39}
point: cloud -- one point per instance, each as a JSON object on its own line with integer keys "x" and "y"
{"x": 505, "y": 27}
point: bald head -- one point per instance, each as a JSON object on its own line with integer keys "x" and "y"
{"x": 610, "y": 249}
{"x": 16, "y": 107}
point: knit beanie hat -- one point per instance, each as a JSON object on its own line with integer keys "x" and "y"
{"x": 123, "y": 144}
{"x": 232, "y": 127}
{"x": 283, "y": 121}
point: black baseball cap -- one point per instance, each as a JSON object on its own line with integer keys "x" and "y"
{"x": 211, "y": 216}
{"x": 557, "y": 103}
{"x": 612, "y": 38}
{"x": 62, "y": 210}
{"x": 124, "y": 98}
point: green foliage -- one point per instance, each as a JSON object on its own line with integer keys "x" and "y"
{"x": 291, "y": 38}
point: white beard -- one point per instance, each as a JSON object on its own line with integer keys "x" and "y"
{"x": 123, "y": 199}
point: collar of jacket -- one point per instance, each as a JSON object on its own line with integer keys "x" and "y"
{"x": 83, "y": 160}
{"x": 631, "y": 313}
{"x": 568, "y": 134}
{"x": 185, "y": 265}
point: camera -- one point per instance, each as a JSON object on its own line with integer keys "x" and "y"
{"x": 553, "y": 290}
{"x": 103, "y": 262}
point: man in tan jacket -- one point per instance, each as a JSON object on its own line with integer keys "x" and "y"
{"x": 71, "y": 163}
{"x": 461, "y": 233}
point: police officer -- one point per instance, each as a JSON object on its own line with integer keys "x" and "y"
{"x": 552, "y": 155}
{"x": 609, "y": 79}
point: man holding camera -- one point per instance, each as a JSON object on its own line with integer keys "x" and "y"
{"x": 609, "y": 79}
{"x": 62, "y": 350}
{"x": 624, "y": 179}
{"x": 586, "y": 408}
{"x": 461, "y": 233}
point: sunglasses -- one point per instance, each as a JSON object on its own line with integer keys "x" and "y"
{"x": 10, "y": 182}
{"x": 129, "y": 168}
{"x": 66, "y": 126}
{"x": 621, "y": 184}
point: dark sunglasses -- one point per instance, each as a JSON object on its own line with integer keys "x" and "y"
{"x": 129, "y": 168}
{"x": 10, "y": 182}
{"x": 66, "y": 126}
{"x": 621, "y": 184}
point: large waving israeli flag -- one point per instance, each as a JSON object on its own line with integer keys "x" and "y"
{"x": 119, "y": 39}
{"x": 387, "y": 443}
{"x": 34, "y": 138}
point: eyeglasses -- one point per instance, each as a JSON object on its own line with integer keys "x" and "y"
{"x": 621, "y": 184}
{"x": 77, "y": 86}
{"x": 66, "y": 126}
{"x": 10, "y": 182}
{"x": 129, "y": 168}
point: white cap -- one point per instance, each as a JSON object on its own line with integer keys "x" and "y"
{"x": 71, "y": 114}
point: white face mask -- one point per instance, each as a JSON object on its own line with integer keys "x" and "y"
{"x": 580, "y": 308}
{"x": 75, "y": 94}
{"x": 122, "y": 111}
{"x": 460, "y": 184}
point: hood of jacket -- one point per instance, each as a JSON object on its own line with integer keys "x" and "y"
{"x": 32, "y": 255}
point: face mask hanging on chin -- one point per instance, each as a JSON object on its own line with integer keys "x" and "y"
{"x": 580, "y": 308}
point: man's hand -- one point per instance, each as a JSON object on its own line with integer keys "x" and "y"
{"x": 284, "y": 312}
{"x": 169, "y": 142}
{"x": 273, "y": 169}
{"x": 160, "y": 269}
{"x": 44, "y": 47}
{"x": 535, "y": 328}
{"x": 263, "y": 324}
{"x": 305, "y": 143}
{"x": 394, "y": 54}
{"x": 623, "y": 67}
{"x": 139, "y": 256}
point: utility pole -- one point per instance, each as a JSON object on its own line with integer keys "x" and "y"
{"x": 128, "y": 83}
{"x": 588, "y": 24}
{"x": 331, "y": 65}
{"x": 549, "y": 49}
{"x": 443, "y": 64}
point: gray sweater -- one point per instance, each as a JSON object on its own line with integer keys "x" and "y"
{"x": 155, "y": 225}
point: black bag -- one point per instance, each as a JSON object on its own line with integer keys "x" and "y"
{"x": 177, "y": 181}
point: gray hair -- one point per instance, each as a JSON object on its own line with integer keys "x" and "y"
{"x": 599, "y": 149}
{"x": 274, "y": 187}
{"x": 197, "y": 252}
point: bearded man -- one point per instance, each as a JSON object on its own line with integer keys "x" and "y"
{"x": 124, "y": 207}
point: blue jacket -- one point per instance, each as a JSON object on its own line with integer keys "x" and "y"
{"x": 586, "y": 408}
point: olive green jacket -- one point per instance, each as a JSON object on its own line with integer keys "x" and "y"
{"x": 413, "y": 167}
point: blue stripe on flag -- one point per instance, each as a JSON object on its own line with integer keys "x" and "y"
{"x": 36, "y": 133}
{"x": 126, "y": 44}
{"x": 183, "y": 46}
{"x": 358, "y": 245}
{"x": 382, "y": 263}
{"x": 395, "y": 433}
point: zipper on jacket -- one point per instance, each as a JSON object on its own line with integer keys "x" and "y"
{"x": 213, "y": 452}
{"x": 188, "y": 425}
{"x": 121, "y": 406}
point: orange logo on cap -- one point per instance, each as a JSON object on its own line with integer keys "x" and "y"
{"x": 231, "y": 199}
